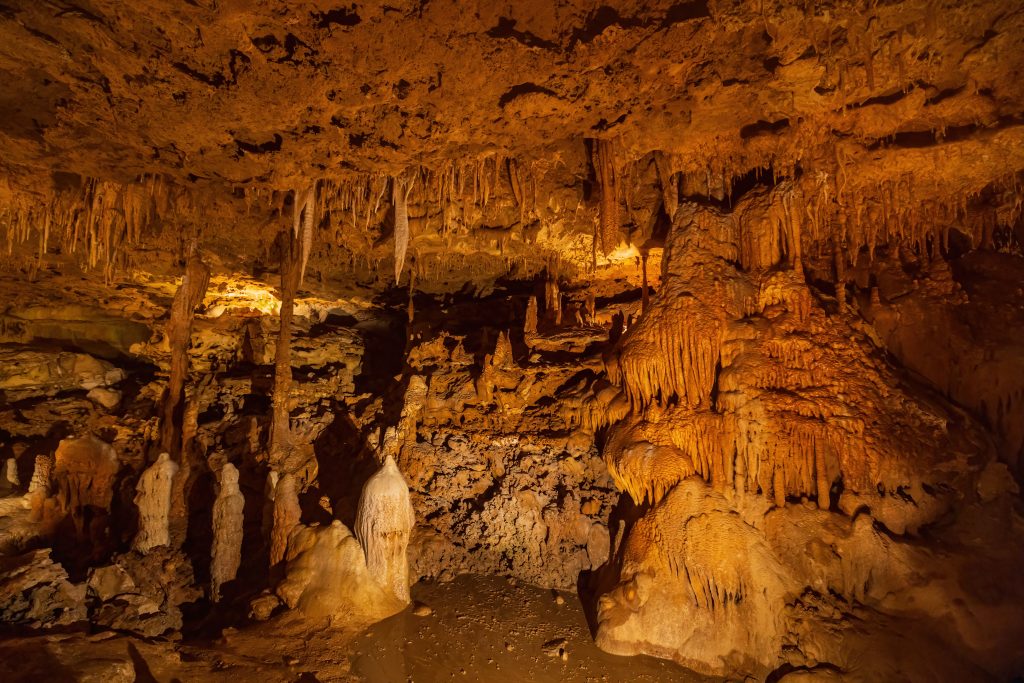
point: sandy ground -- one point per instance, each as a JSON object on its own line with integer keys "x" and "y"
{"x": 479, "y": 629}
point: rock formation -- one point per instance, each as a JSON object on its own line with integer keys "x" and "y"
{"x": 750, "y": 402}
{"x": 707, "y": 313}
{"x": 327, "y": 576}
{"x": 83, "y": 481}
{"x": 226, "y": 553}
{"x": 153, "y": 499}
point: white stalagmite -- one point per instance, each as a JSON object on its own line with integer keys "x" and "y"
{"x": 226, "y": 554}
{"x": 11, "y": 473}
{"x": 400, "y": 195}
{"x": 384, "y": 521}
{"x": 153, "y": 499}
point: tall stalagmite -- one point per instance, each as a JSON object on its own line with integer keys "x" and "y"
{"x": 226, "y": 553}
{"x": 384, "y": 521}
{"x": 153, "y": 500}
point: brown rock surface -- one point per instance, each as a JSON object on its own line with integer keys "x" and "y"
{"x": 708, "y": 310}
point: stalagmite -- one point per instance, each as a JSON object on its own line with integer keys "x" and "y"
{"x": 39, "y": 485}
{"x": 269, "y": 493}
{"x": 11, "y": 473}
{"x": 153, "y": 500}
{"x": 552, "y": 300}
{"x": 226, "y": 553}
{"x": 384, "y": 521}
{"x": 287, "y": 516}
{"x": 530, "y": 322}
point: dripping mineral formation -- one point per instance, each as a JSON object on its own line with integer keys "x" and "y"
{"x": 687, "y": 334}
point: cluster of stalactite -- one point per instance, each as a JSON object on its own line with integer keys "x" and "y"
{"x": 97, "y": 221}
{"x": 735, "y": 377}
{"x": 825, "y": 207}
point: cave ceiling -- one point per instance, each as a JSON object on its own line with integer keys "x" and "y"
{"x": 272, "y": 93}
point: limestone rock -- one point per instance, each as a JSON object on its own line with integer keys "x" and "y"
{"x": 108, "y": 398}
{"x": 143, "y": 593}
{"x": 27, "y": 373}
{"x": 83, "y": 478}
{"x": 35, "y": 592}
{"x": 327, "y": 576}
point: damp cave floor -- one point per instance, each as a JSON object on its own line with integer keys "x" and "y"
{"x": 495, "y": 629}
{"x": 481, "y": 628}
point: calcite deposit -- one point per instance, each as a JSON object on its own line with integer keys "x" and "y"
{"x": 704, "y": 314}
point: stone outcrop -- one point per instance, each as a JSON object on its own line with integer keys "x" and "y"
{"x": 142, "y": 593}
{"x": 35, "y": 592}
{"x": 327, "y": 576}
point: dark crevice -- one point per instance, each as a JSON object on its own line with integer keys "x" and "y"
{"x": 930, "y": 138}
{"x": 686, "y": 11}
{"x": 506, "y": 28}
{"x": 261, "y": 147}
{"x": 763, "y": 128}
{"x": 889, "y": 98}
{"x": 337, "y": 17}
{"x": 943, "y": 95}
{"x": 524, "y": 89}
{"x": 216, "y": 80}
{"x": 601, "y": 19}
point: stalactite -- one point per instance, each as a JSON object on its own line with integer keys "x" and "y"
{"x": 607, "y": 174}
{"x": 669, "y": 184}
{"x": 304, "y": 208}
{"x": 400, "y": 196}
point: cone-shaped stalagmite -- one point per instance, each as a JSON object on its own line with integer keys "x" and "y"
{"x": 384, "y": 521}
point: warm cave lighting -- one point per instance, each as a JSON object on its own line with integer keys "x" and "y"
{"x": 557, "y": 341}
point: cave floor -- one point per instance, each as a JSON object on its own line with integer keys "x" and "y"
{"x": 494, "y": 629}
{"x": 480, "y": 628}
